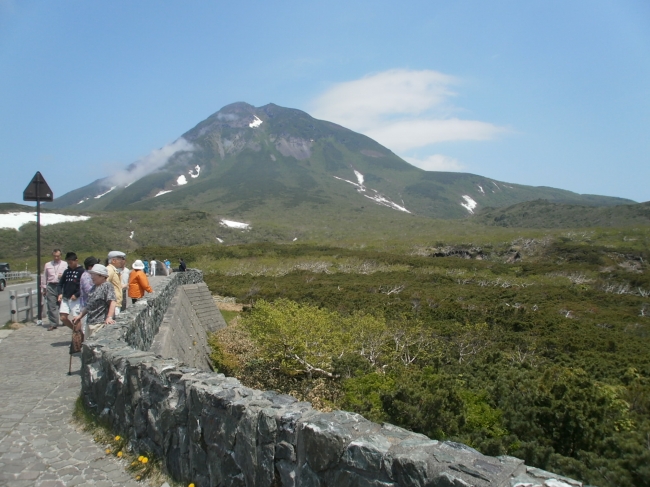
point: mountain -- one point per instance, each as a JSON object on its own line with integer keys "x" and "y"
{"x": 271, "y": 162}
{"x": 544, "y": 214}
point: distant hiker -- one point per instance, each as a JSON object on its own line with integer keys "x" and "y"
{"x": 116, "y": 261}
{"x": 169, "y": 266}
{"x": 152, "y": 265}
{"x": 70, "y": 290}
{"x": 101, "y": 301}
{"x": 182, "y": 267}
{"x": 138, "y": 282}
{"x": 49, "y": 287}
{"x": 146, "y": 266}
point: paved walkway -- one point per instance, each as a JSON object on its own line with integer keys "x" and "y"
{"x": 39, "y": 446}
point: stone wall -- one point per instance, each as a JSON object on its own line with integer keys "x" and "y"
{"x": 211, "y": 430}
{"x": 183, "y": 333}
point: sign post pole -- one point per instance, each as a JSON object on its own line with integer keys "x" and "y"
{"x": 38, "y": 190}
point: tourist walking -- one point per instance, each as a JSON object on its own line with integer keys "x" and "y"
{"x": 70, "y": 290}
{"x": 52, "y": 273}
{"x": 152, "y": 266}
{"x": 116, "y": 261}
{"x": 138, "y": 282}
{"x": 168, "y": 265}
{"x": 146, "y": 266}
{"x": 101, "y": 304}
{"x": 182, "y": 267}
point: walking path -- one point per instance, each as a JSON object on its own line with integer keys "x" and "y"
{"x": 39, "y": 446}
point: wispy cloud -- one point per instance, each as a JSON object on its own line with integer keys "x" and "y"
{"x": 436, "y": 162}
{"x": 404, "y": 110}
{"x": 151, "y": 162}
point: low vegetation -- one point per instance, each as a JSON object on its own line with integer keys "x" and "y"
{"x": 537, "y": 350}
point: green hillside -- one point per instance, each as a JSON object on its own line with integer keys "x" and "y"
{"x": 545, "y": 214}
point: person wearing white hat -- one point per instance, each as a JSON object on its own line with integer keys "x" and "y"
{"x": 115, "y": 263}
{"x": 100, "y": 306}
{"x": 138, "y": 282}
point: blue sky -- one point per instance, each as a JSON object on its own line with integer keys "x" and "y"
{"x": 545, "y": 93}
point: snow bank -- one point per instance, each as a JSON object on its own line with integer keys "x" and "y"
{"x": 17, "y": 220}
{"x": 197, "y": 168}
{"x": 160, "y": 193}
{"x": 104, "y": 194}
{"x": 377, "y": 198}
{"x": 181, "y": 180}
{"x": 469, "y": 204}
{"x": 255, "y": 123}
{"x": 232, "y": 224}
{"x": 383, "y": 201}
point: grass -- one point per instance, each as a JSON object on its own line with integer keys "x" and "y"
{"x": 229, "y": 316}
{"x": 143, "y": 468}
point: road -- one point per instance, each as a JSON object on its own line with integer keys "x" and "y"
{"x": 5, "y": 307}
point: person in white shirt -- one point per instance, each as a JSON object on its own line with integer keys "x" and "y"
{"x": 152, "y": 266}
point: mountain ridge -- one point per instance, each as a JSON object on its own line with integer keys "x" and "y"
{"x": 242, "y": 159}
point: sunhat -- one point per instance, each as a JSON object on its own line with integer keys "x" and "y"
{"x": 138, "y": 264}
{"x": 99, "y": 269}
{"x": 115, "y": 253}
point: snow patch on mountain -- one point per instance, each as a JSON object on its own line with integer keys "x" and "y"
{"x": 469, "y": 204}
{"x": 255, "y": 123}
{"x": 359, "y": 178}
{"x": 219, "y": 240}
{"x": 197, "y": 168}
{"x": 181, "y": 180}
{"x": 360, "y": 187}
{"x": 132, "y": 234}
{"x": 17, "y": 220}
{"x": 383, "y": 201}
{"x": 83, "y": 200}
{"x": 377, "y": 198}
{"x": 480, "y": 188}
{"x": 104, "y": 194}
{"x": 233, "y": 224}
{"x": 160, "y": 193}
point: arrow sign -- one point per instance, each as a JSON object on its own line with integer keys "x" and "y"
{"x": 38, "y": 189}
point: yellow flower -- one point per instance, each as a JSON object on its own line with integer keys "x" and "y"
{"x": 140, "y": 458}
{"x": 145, "y": 460}
{"x": 117, "y": 438}
{"x": 137, "y": 477}
{"x": 119, "y": 454}
{"x": 108, "y": 451}
{"x": 191, "y": 485}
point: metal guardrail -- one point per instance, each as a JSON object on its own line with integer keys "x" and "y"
{"x": 17, "y": 275}
{"x": 29, "y": 301}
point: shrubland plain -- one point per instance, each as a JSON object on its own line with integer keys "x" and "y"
{"x": 526, "y": 343}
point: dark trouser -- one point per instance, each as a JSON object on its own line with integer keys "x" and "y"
{"x": 52, "y": 303}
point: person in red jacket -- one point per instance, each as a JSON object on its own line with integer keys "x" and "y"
{"x": 138, "y": 282}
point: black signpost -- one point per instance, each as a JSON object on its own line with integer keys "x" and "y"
{"x": 38, "y": 190}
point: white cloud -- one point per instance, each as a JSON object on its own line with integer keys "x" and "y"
{"x": 436, "y": 162}
{"x": 149, "y": 163}
{"x": 411, "y": 134}
{"x": 401, "y": 109}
